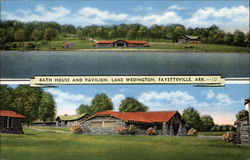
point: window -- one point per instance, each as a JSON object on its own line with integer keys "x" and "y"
{"x": 8, "y": 122}
{"x": 97, "y": 124}
{"x": 109, "y": 123}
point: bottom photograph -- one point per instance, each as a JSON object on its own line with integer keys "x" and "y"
{"x": 125, "y": 122}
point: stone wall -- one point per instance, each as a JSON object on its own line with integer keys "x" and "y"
{"x": 243, "y": 133}
{"x": 16, "y": 127}
{"x": 88, "y": 128}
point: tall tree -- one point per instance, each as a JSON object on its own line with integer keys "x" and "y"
{"x": 84, "y": 109}
{"x": 132, "y": 105}
{"x": 192, "y": 118}
{"x": 19, "y": 36}
{"x": 239, "y": 38}
{"x": 242, "y": 115}
{"x": 6, "y": 97}
{"x": 179, "y": 31}
{"x": 27, "y": 101}
{"x": 101, "y": 102}
{"x": 49, "y": 34}
{"x": 47, "y": 107}
{"x": 207, "y": 123}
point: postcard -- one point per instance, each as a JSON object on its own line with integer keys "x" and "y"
{"x": 124, "y": 80}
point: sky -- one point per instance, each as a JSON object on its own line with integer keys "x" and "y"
{"x": 222, "y": 103}
{"x": 227, "y": 14}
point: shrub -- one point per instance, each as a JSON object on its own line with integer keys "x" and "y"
{"x": 151, "y": 131}
{"x": 229, "y": 137}
{"x": 121, "y": 130}
{"x": 192, "y": 132}
{"x": 76, "y": 128}
{"x": 132, "y": 129}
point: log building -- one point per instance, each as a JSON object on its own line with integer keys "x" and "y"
{"x": 11, "y": 122}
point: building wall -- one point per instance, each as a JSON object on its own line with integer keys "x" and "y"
{"x": 16, "y": 127}
{"x": 101, "y": 125}
{"x": 243, "y": 133}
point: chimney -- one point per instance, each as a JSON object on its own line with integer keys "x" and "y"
{"x": 247, "y": 107}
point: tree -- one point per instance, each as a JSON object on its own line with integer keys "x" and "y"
{"x": 27, "y": 101}
{"x": 229, "y": 39}
{"x": 242, "y": 115}
{"x": 37, "y": 35}
{"x": 19, "y": 36}
{"x": 101, "y": 102}
{"x": 84, "y": 109}
{"x": 239, "y": 38}
{"x": 192, "y": 118}
{"x": 207, "y": 123}
{"x": 47, "y": 107}
{"x": 6, "y": 97}
{"x": 178, "y": 33}
{"x": 132, "y": 105}
{"x": 49, "y": 34}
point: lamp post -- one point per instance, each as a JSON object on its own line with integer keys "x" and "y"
{"x": 247, "y": 107}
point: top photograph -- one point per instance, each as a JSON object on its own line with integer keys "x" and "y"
{"x": 90, "y": 38}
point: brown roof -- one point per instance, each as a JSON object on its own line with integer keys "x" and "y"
{"x": 148, "y": 117}
{"x": 7, "y": 113}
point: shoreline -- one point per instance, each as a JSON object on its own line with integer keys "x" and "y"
{"x": 129, "y": 50}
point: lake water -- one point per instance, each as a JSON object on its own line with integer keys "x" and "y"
{"x": 17, "y": 64}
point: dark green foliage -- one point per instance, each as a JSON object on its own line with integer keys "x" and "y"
{"x": 101, "y": 102}
{"x": 207, "y": 123}
{"x": 242, "y": 115}
{"x": 27, "y": 101}
{"x": 132, "y": 105}
{"x": 36, "y": 31}
{"x": 47, "y": 108}
{"x": 84, "y": 109}
{"x": 192, "y": 118}
{"x": 132, "y": 129}
{"x": 6, "y": 97}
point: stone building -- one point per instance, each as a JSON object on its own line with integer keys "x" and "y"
{"x": 243, "y": 127}
{"x": 11, "y": 122}
{"x": 121, "y": 43}
{"x": 165, "y": 122}
{"x": 189, "y": 39}
{"x": 68, "y": 120}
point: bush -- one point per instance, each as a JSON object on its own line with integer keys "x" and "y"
{"x": 229, "y": 137}
{"x": 132, "y": 129}
{"x": 192, "y": 132}
{"x": 121, "y": 130}
{"x": 76, "y": 128}
{"x": 151, "y": 131}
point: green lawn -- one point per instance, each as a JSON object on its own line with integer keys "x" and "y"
{"x": 42, "y": 146}
{"x": 210, "y": 133}
{"x": 79, "y": 44}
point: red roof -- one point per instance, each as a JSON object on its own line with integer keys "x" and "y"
{"x": 136, "y": 42}
{"x": 131, "y": 42}
{"x": 106, "y": 42}
{"x": 6, "y": 113}
{"x": 148, "y": 117}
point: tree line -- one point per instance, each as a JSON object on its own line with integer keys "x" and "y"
{"x": 34, "y": 103}
{"x": 15, "y": 31}
{"x": 102, "y": 102}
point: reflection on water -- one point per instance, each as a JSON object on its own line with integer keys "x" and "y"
{"x": 28, "y": 64}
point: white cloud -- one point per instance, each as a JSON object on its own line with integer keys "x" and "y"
{"x": 210, "y": 94}
{"x": 116, "y": 99}
{"x": 227, "y": 18}
{"x": 67, "y": 102}
{"x": 158, "y": 99}
{"x": 176, "y": 7}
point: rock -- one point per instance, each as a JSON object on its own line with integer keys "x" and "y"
{"x": 229, "y": 136}
{"x": 192, "y": 132}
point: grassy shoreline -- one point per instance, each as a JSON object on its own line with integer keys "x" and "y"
{"x": 154, "y": 47}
